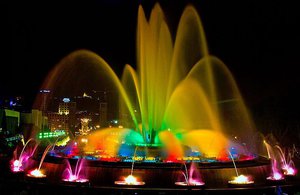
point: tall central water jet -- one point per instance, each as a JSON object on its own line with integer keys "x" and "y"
{"x": 180, "y": 98}
{"x": 182, "y": 90}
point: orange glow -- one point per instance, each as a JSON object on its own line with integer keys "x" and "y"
{"x": 130, "y": 180}
{"x": 36, "y": 173}
{"x": 289, "y": 170}
{"x": 241, "y": 179}
{"x": 172, "y": 145}
{"x": 208, "y": 142}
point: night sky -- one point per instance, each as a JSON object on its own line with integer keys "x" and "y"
{"x": 257, "y": 40}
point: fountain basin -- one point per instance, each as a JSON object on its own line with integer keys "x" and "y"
{"x": 215, "y": 175}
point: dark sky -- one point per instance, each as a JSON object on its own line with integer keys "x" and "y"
{"x": 257, "y": 40}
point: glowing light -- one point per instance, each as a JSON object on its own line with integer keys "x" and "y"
{"x": 63, "y": 142}
{"x": 74, "y": 178}
{"x": 85, "y": 129}
{"x": 16, "y": 166}
{"x": 44, "y": 91}
{"x": 36, "y": 173}
{"x": 17, "y": 163}
{"x": 241, "y": 179}
{"x": 276, "y": 176}
{"x": 287, "y": 170}
{"x": 130, "y": 180}
{"x": 66, "y": 100}
{"x": 86, "y": 95}
{"x": 192, "y": 182}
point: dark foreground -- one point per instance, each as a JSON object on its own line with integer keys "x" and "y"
{"x": 35, "y": 188}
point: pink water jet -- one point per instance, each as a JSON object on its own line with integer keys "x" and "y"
{"x": 189, "y": 177}
{"x": 288, "y": 170}
{"x": 74, "y": 176}
{"x": 287, "y": 164}
{"x": 17, "y": 164}
{"x": 191, "y": 182}
{"x": 276, "y": 176}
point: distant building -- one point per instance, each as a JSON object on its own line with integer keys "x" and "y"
{"x": 15, "y": 124}
{"x": 42, "y": 100}
{"x": 103, "y": 114}
{"x": 13, "y": 103}
{"x": 9, "y": 121}
{"x": 65, "y": 118}
{"x": 66, "y": 113}
{"x": 35, "y": 117}
{"x": 94, "y": 107}
{"x": 85, "y": 129}
{"x": 33, "y": 122}
{"x": 58, "y": 121}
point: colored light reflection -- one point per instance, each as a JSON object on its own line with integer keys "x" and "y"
{"x": 276, "y": 177}
{"x": 130, "y": 180}
{"x": 74, "y": 178}
{"x": 36, "y": 173}
{"x": 192, "y": 182}
{"x": 241, "y": 179}
{"x": 16, "y": 166}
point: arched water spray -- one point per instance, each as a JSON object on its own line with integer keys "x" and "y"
{"x": 37, "y": 173}
{"x": 21, "y": 154}
{"x": 55, "y": 142}
{"x": 17, "y": 165}
{"x": 43, "y": 156}
{"x": 276, "y": 173}
{"x": 236, "y": 171}
{"x": 186, "y": 174}
{"x": 189, "y": 177}
{"x": 74, "y": 176}
{"x": 133, "y": 160}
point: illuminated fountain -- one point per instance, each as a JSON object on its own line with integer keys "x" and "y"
{"x": 176, "y": 101}
{"x": 130, "y": 179}
{"x": 192, "y": 177}
{"x": 17, "y": 164}
{"x": 179, "y": 103}
{"x": 276, "y": 173}
{"x": 287, "y": 164}
{"x": 37, "y": 173}
{"x": 282, "y": 165}
{"x": 77, "y": 175}
{"x": 239, "y": 180}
